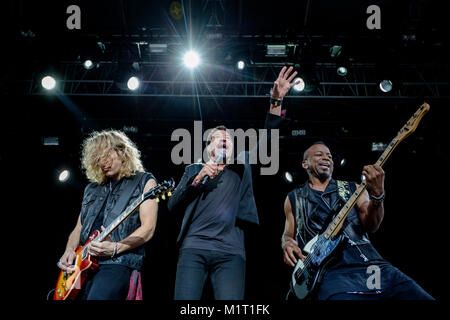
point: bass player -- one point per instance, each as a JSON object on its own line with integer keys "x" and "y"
{"x": 357, "y": 272}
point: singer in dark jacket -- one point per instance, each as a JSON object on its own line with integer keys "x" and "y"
{"x": 214, "y": 197}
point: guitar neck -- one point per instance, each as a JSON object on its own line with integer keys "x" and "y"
{"x": 160, "y": 190}
{"x": 129, "y": 210}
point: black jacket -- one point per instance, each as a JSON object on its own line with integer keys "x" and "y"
{"x": 185, "y": 196}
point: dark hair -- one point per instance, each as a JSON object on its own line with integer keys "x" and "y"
{"x": 317, "y": 142}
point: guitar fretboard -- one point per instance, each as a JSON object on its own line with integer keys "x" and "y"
{"x": 338, "y": 221}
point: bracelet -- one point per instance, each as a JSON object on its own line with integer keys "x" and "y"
{"x": 378, "y": 199}
{"x": 276, "y": 102}
{"x": 115, "y": 250}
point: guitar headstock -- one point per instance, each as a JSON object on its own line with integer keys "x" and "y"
{"x": 413, "y": 122}
{"x": 161, "y": 190}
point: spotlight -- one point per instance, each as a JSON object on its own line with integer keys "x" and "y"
{"x": 88, "y": 64}
{"x": 133, "y": 83}
{"x": 288, "y": 177}
{"x": 386, "y": 85}
{"x": 240, "y": 65}
{"x": 191, "y": 59}
{"x": 343, "y": 162}
{"x": 48, "y": 82}
{"x": 64, "y": 176}
{"x": 342, "y": 71}
{"x": 300, "y": 86}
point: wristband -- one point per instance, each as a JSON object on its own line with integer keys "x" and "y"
{"x": 115, "y": 250}
{"x": 378, "y": 199}
{"x": 276, "y": 102}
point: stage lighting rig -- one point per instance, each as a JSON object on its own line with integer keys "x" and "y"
{"x": 191, "y": 59}
{"x": 133, "y": 83}
{"x": 300, "y": 86}
{"x": 342, "y": 71}
{"x": 276, "y": 50}
{"x": 88, "y": 64}
{"x": 48, "y": 82}
{"x": 64, "y": 175}
{"x": 386, "y": 85}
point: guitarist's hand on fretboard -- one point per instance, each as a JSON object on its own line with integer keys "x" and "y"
{"x": 374, "y": 177}
{"x": 104, "y": 248}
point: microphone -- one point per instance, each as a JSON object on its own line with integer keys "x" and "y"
{"x": 220, "y": 157}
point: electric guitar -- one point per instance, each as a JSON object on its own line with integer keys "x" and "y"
{"x": 320, "y": 249}
{"x": 69, "y": 284}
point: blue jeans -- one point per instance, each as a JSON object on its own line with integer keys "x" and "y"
{"x": 110, "y": 282}
{"x": 350, "y": 283}
{"x": 408, "y": 290}
{"x": 226, "y": 271}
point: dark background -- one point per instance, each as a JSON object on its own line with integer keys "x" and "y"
{"x": 40, "y": 211}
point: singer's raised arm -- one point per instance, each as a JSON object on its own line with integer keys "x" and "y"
{"x": 280, "y": 88}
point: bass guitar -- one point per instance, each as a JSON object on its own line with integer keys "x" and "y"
{"x": 70, "y": 284}
{"x": 320, "y": 249}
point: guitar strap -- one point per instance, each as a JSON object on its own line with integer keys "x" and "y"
{"x": 344, "y": 193}
{"x": 124, "y": 198}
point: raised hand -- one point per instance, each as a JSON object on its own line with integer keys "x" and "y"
{"x": 283, "y": 83}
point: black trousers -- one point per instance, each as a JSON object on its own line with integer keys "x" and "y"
{"x": 227, "y": 273}
{"x": 109, "y": 282}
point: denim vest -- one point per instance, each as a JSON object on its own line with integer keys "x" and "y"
{"x": 95, "y": 197}
{"x": 305, "y": 207}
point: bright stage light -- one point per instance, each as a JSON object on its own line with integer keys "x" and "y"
{"x": 88, "y": 64}
{"x": 133, "y": 83}
{"x": 386, "y": 85}
{"x": 48, "y": 82}
{"x": 64, "y": 176}
{"x": 288, "y": 177}
{"x": 191, "y": 59}
{"x": 300, "y": 86}
{"x": 342, "y": 71}
{"x": 241, "y": 65}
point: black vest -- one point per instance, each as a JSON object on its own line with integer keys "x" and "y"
{"x": 305, "y": 208}
{"x": 94, "y": 198}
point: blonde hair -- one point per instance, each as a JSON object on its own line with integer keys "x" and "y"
{"x": 99, "y": 144}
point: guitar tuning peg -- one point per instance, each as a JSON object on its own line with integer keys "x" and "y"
{"x": 169, "y": 194}
{"x": 163, "y": 196}
{"x": 157, "y": 199}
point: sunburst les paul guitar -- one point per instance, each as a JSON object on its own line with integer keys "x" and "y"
{"x": 320, "y": 249}
{"x": 70, "y": 284}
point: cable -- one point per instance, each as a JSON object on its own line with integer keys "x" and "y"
{"x": 48, "y": 294}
